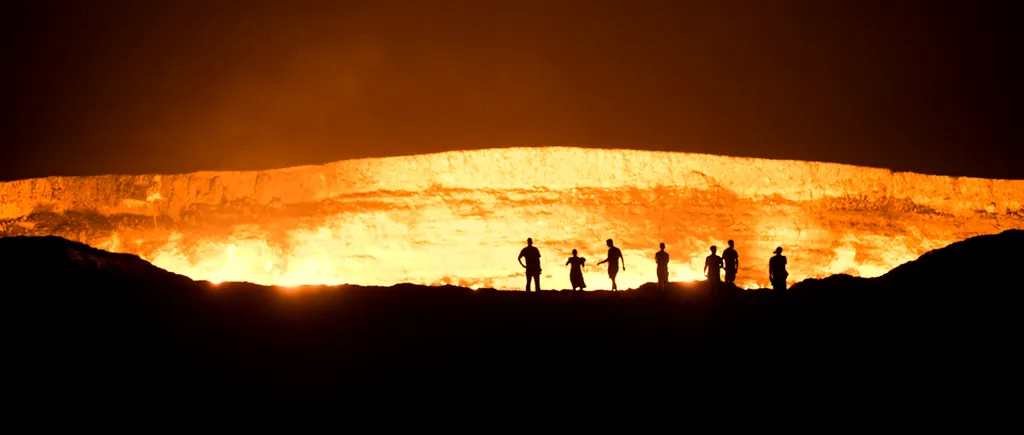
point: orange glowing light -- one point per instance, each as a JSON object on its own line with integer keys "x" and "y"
{"x": 460, "y": 218}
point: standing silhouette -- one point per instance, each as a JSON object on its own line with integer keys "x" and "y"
{"x": 662, "y": 259}
{"x": 614, "y": 256}
{"x": 576, "y": 271}
{"x": 732, "y": 263}
{"x": 713, "y": 269}
{"x": 777, "y": 270}
{"x": 532, "y": 265}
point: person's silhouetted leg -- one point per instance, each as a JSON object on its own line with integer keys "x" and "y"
{"x": 779, "y": 287}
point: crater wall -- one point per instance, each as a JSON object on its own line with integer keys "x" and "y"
{"x": 461, "y": 217}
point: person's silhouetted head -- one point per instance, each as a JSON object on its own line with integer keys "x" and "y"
{"x": 662, "y": 246}
{"x": 730, "y": 244}
{"x": 573, "y": 252}
{"x": 609, "y": 242}
{"x": 713, "y": 249}
{"x": 529, "y": 241}
{"x": 778, "y": 250}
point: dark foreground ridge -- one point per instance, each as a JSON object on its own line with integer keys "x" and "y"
{"x": 87, "y": 322}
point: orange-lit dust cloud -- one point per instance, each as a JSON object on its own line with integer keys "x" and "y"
{"x": 461, "y": 217}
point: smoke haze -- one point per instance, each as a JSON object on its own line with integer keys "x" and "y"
{"x": 170, "y": 87}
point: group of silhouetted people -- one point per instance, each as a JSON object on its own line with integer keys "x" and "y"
{"x": 713, "y": 266}
{"x": 577, "y": 263}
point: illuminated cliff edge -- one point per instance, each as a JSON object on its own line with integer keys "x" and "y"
{"x": 461, "y": 217}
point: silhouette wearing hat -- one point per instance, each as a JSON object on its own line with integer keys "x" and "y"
{"x": 532, "y": 265}
{"x": 777, "y": 270}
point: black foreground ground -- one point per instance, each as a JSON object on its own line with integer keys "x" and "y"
{"x": 85, "y": 322}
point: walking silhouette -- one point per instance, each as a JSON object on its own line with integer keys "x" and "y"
{"x": 614, "y": 256}
{"x": 777, "y": 270}
{"x": 713, "y": 269}
{"x": 576, "y": 271}
{"x": 662, "y": 259}
{"x": 532, "y": 266}
{"x": 732, "y": 263}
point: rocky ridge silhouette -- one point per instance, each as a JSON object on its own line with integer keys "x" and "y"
{"x": 87, "y": 320}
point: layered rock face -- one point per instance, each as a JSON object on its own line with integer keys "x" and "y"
{"x": 462, "y": 217}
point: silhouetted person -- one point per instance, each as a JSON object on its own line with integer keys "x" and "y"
{"x": 614, "y": 255}
{"x": 576, "y": 271}
{"x": 713, "y": 269}
{"x": 732, "y": 263}
{"x": 662, "y": 259}
{"x": 532, "y": 263}
{"x": 777, "y": 270}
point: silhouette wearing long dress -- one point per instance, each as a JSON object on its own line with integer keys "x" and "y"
{"x": 614, "y": 256}
{"x": 662, "y": 259}
{"x": 576, "y": 271}
{"x": 532, "y": 265}
{"x": 732, "y": 263}
{"x": 777, "y": 273}
{"x": 713, "y": 269}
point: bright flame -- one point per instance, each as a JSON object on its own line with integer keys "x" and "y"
{"x": 379, "y": 251}
{"x": 461, "y": 218}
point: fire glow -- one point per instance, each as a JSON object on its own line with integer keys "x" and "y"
{"x": 461, "y": 217}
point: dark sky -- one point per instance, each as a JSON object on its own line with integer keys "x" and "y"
{"x": 92, "y": 87}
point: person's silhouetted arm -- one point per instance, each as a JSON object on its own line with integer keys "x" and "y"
{"x": 521, "y": 260}
{"x": 623, "y": 259}
{"x": 602, "y": 262}
{"x": 705, "y": 268}
{"x": 567, "y": 262}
